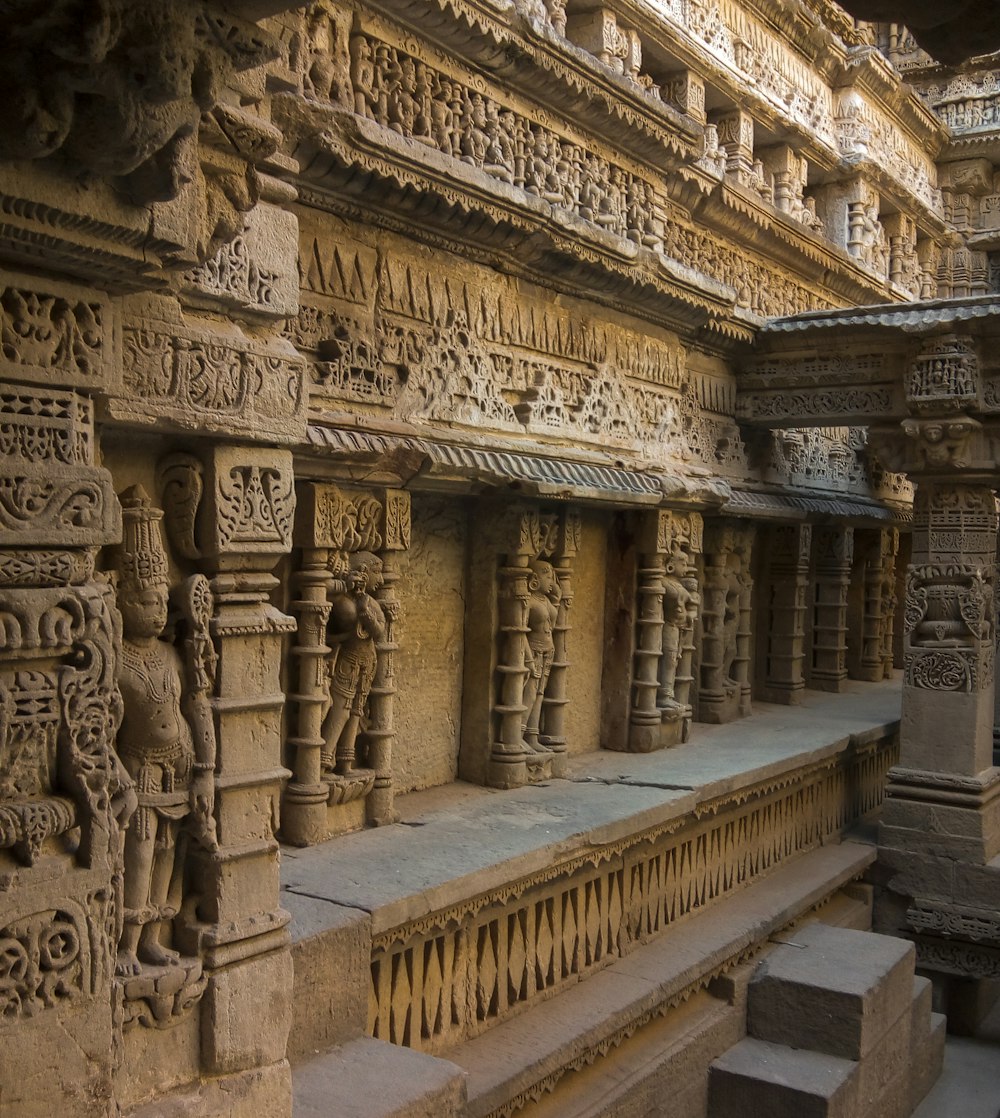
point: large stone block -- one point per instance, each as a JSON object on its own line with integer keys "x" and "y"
{"x": 371, "y": 1079}
{"x": 756, "y": 1079}
{"x": 331, "y": 955}
{"x": 237, "y": 1032}
{"x": 833, "y": 990}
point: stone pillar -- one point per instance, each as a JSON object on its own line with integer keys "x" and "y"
{"x": 736, "y": 139}
{"x": 239, "y": 529}
{"x": 833, "y": 553}
{"x": 949, "y": 630}
{"x": 644, "y": 719}
{"x": 340, "y": 531}
{"x": 554, "y": 703}
{"x": 304, "y": 814}
{"x": 533, "y": 597}
{"x": 508, "y": 764}
{"x": 667, "y": 611}
{"x": 381, "y": 731}
{"x": 788, "y": 581}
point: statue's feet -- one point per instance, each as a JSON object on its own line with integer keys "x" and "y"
{"x": 156, "y": 955}
{"x": 127, "y": 964}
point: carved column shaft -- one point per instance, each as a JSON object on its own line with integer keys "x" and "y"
{"x": 713, "y": 637}
{"x": 304, "y": 809}
{"x": 724, "y": 692}
{"x": 644, "y": 720}
{"x": 833, "y": 552}
{"x": 507, "y": 768}
{"x": 684, "y": 680}
{"x": 381, "y": 733}
{"x": 879, "y": 607}
{"x": 554, "y": 704}
{"x": 744, "y": 632}
{"x": 788, "y": 577}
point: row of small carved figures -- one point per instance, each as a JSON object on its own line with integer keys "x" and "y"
{"x": 402, "y": 94}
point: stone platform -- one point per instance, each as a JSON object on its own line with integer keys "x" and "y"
{"x": 485, "y": 914}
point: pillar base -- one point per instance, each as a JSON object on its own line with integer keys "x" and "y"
{"x": 942, "y": 814}
{"x": 304, "y": 815}
{"x": 507, "y": 770}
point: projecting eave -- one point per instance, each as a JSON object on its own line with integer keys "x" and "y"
{"x": 975, "y": 314}
{"x": 856, "y": 366}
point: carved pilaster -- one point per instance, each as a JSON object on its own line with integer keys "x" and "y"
{"x": 534, "y": 593}
{"x": 230, "y": 510}
{"x": 789, "y": 547}
{"x": 381, "y": 731}
{"x": 879, "y": 609}
{"x": 667, "y": 612}
{"x": 554, "y": 703}
{"x": 833, "y": 554}
{"x": 724, "y": 692}
{"x": 60, "y": 899}
{"x": 508, "y": 751}
{"x": 348, "y": 612}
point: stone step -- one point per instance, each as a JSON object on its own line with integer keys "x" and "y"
{"x": 529, "y": 1054}
{"x": 760, "y": 1079}
{"x": 832, "y": 990}
{"x": 371, "y": 1079}
{"x": 330, "y": 1006}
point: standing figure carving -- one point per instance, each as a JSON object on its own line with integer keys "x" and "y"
{"x": 357, "y": 625}
{"x": 679, "y": 610}
{"x": 543, "y": 612}
{"x": 167, "y": 737}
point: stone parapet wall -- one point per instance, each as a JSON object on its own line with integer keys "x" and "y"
{"x": 444, "y": 977}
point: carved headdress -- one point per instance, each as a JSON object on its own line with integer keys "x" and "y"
{"x": 142, "y": 562}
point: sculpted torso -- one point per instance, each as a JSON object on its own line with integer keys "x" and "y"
{"x": 150, "y": 684}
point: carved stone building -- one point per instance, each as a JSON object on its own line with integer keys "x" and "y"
{"x": 476, "y": 476}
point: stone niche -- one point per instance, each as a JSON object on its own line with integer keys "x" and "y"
{"x": 429, "y": 664}
{"x": 341, "y": 730}
{"x": 653, "y": 608}
{"x": 524, "y": 564}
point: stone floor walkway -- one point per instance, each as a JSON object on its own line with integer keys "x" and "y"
{"x": 969, "y": 1086}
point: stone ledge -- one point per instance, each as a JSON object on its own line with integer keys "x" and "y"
{"x": 459, "y": 841}
{"x": 370, "y": 1079}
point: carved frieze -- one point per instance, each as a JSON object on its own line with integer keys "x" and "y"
{"x": 944, "y": 377}
{"x": 53, "y": 332}
{"x": 195, "y": 376}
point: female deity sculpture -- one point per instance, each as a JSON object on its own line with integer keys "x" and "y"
{"x": 357, "y": 624}
{"x": 543, "y": 612}
{"x": 167, "y": 737}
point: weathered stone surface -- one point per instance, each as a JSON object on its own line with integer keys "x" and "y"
{"x": 369, "y": 1079}
{"x": 759, "y": 1078}
{"x": 331, "y": 961}
{"x": 835, "y": 991}
{"x": 499, "y": 372}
